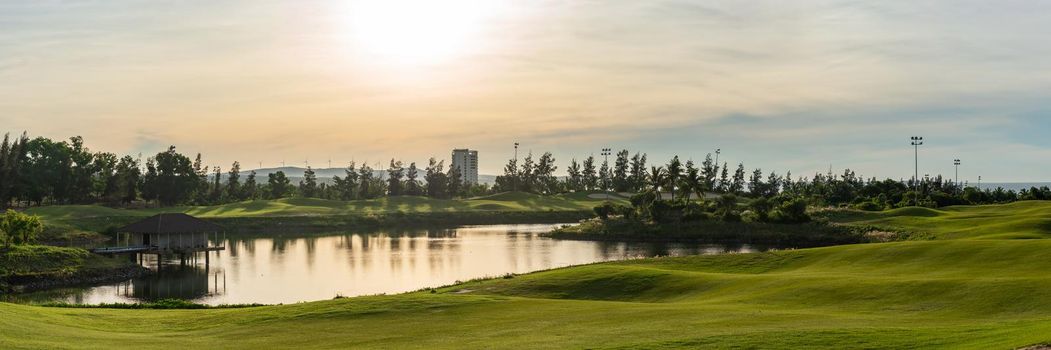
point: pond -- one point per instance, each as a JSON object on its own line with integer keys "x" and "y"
{"x": 295, "y": 268}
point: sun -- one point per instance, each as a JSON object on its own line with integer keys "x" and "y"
{"x": 418, "y": 31}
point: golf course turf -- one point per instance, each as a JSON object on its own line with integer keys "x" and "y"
{"x": 975, "y": 285}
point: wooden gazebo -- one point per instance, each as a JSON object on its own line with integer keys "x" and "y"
{"x": 169, "y": 233}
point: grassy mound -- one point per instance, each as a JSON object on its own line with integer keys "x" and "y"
{"x": 1019, "y": 220}
{"x": 30, "y": 265}
{"x": 931, "y": 294}
{"x": 62, "y": 222}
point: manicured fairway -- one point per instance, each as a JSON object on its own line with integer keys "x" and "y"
{"x": 1028, "y": 219}
{"x": 985, "y": 291}
{"x": 941, "y": 294}
{"x": 68, "y": 219}
{"x": 312, "y": 206}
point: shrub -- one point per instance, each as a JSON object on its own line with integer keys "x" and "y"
{"x": 868, "y": 206}
{"x": 20, "y": 228}
{"x": 694, "y": 212}
{"x": 604, "y": 210}
{"x": 792, "y": 211}
{"x": 761, "y": 207}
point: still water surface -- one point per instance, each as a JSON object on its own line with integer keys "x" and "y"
{"x": 294, "y": 268}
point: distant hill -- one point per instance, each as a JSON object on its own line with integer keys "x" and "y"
{"x": 325, "y": 174}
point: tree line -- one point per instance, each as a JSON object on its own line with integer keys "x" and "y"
{"x": 40, "y": 171}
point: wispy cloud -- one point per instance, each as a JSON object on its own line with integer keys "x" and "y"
{"x": 790, "y": 85}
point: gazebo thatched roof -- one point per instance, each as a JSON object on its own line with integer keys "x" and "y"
{"x": 171, "y": 223}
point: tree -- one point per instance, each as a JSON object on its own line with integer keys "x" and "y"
{"x": 175, "y": 177}
{"x": 412, "y": 186}
{"x": 308, "y": 186}
{"x": 201, "y": 192}
{"x": 723, "y": 186}
{"x": 280, "y": 186}
{"x": 737, "y": 186}
{"x": 346, "y": 188}
{"x": 367, "y": 182}
{"x": 45, "y": 171}
{"x": 216, "y": 195}
{"x": 709, "y": 171}
{"x": 773, "y": 185}
{"x": 621, "y": 178}
{"x": 82, "y": 171}
{"x": 455, "y": 182}
{"x": 546, "y": 182}
{"x": 395, "y": 173}
{"x": 527, "y": 176}
{"x": 573, "y": 178}
{"x": 250, "y": 187}
{"x": 691, "y": 182}
{"x": 437, "y": 181}
{"x": 149, "y": 181}
{"x": 589, "y": 175}
{"x": 233, "y": 182}
{"x": 657, "y": 179}
{"x": 673, "y": 173}
{"x": 509, "y": 180}
{"x": 128, "y": 175}
{"x": 638, "y": 172}
{"x": 756, "y": 187}
{"x": 105, "y": 182}
{"x": 19, "y": 228}
{"x": 12, "y": 156}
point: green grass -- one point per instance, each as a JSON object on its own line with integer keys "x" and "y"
{"x": 971, "y": 288}
{"x": 311, "y": 206}
{"x": 32, "y": 263}
{"x": 70, "y": 220}
{"x": 1019, "y": 220}
{"x": 937, "y": 294}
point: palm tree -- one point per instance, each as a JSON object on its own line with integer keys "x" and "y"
{"x": 673, "y": 174}
{"x": 656, "y": 179}
{"x": 692, "y": 183}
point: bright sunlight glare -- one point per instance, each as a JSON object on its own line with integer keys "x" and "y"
{"x": 419, "y": 31}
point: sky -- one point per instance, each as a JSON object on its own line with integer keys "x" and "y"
{"x": 781, "y": 85}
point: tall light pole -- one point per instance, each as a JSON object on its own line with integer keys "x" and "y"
{"x": 917, "y": 141}
{"x": 515, "y": 182}
{"x": 605, "y": 184}
{"x": 979, "y": 182}
{"x": 956, "y": 162}
{"x": 717, "y": 152}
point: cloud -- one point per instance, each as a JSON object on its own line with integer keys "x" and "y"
{"x": 786, "y": 85}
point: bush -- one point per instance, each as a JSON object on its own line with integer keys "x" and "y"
{"x": 20, "y": 228}
{"x": 607, "y": 209}
{"x": 868, "y": 206}
{"x": 693, "y": 212}
{"x": 792, "y": 211}
{"x": 604, "y": 210}
{"x": 761, "y": 207}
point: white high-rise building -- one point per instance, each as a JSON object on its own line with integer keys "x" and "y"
{"x": 467, "y": 162}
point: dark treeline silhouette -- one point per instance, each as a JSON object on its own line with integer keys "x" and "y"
{"x": 681, "y": 181}
{"x": 40, "y": 171}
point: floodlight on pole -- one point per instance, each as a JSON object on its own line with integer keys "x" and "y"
{"x": 717, "y": 152}
{"x": 605, "y": 184}
{"x": 956, "y": 163}
{"x": 917, "y": 141}
{"x": 514, "y": 187}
